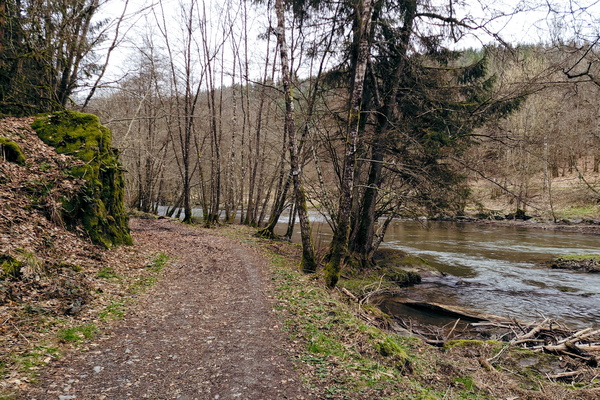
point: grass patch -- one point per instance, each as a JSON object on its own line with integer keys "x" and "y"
{"x": 115, "y": 310}
{"x": 29, "y": 363}
{"x": 152, "y": 272}
{"x": 350, "y": 358}
{"x": 77, "y": 333}
{"x": 158, "y": 263}
{"x": 108, "y": 273}
{"x": 587, "y": 211}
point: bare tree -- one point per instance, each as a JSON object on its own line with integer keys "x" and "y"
{"x": 309, "y": 263}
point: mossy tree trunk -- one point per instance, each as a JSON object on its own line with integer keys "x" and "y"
{"x": 309, "y": 263}
{"x": 45, "y": 51}
{"x": 361, "y": 47}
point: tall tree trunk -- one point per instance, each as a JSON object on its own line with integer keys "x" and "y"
{"x": 385, "y": 99}
{"x": 339, "y": 243}
{"x": 309, "y": 263}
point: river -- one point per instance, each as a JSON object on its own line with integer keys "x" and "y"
{"x": 495, "y": 269}
{"x": 492, "y": 269}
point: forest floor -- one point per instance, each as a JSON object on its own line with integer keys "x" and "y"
{"x": 230, "y": 317}
{"x": 205, "y": 331}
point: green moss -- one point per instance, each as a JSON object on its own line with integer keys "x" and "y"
{"x": 11, "y": 151}
{"x": 401, "y": 277}
{"x": 99, "y": 206}
{"x": 389, "y": 347}
{"x": 10, "y": 267}
{"x": 68, "y": 266}
{"x": 466, "y": 382}
{"x": 393, "y": 257}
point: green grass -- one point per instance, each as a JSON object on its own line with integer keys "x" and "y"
{"x": 328, "y": 329}
{"x": 587, "y": 211}
{"x": 158, "y": 264}
{"x": 29, "y": 362}
{"x": 108, "y": 273}
{"x": 115, "y": 310}
{"x": 77, "y": 333}
{"x": 580, "y": 257}
{"x": 153, "y": 271}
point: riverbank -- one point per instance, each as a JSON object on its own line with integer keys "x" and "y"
{"x": 590, "y": 227}
{"x": 335, "y": 345}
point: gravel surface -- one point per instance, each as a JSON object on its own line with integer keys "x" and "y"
{"x": 205, "y": 331}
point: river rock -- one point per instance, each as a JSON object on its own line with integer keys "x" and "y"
{"x": 400, "y": 259}
{"x": 583, "y": 264}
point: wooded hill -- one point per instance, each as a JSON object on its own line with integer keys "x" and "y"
{"x": 542, "y": 158}
{"x": 363, "y": 111}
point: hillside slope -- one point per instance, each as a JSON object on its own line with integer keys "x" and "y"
{"x": 51, "y": 274}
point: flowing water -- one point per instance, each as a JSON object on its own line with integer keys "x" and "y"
{"x": 495, "y": 269}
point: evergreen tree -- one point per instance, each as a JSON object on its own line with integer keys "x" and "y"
{"x": 45, "y": 49}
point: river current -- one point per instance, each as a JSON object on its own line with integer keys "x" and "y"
{"x": 495, "y": 269}
{"x": 492, "y": 269}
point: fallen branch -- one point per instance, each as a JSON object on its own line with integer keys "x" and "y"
{"x": 558, "y": 348}
{"x": 581, "y": 335}
{"x": 531, "y": 333}
{"x": 564, "y": 375}
{"x": 349, "y": 294}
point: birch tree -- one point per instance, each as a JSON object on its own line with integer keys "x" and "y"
{"x": 308, "y": 258}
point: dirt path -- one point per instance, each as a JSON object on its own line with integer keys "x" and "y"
{"x": 206, "y": 331}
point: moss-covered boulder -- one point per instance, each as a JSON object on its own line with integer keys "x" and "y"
{"x": 577, "y": 262}
{"x": 99, "y": 206}
{"x": 11, "y": 151}
{"x": 398, "y": 259}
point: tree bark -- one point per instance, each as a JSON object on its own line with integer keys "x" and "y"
{"x": 309, "y": 263}
{"x": 363, "y": 236}
{"x": 339, "y": 244}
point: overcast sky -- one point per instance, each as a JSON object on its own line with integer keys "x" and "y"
{"x": 514, "y": 21}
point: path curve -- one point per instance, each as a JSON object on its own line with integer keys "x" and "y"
{"x": 205, "y": 331}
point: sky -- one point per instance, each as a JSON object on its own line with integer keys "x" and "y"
{"x": 512, "y": 21}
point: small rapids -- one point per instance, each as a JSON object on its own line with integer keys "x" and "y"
{"x": 492, "y": 269}
{"x": 495, "y": 269}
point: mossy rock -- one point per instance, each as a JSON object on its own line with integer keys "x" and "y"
{"x": 400, "y": 260}
{"x": 11, "y": 151}
{"x": 391, "y": 349}
{"x": 401, "y": 277}
{"x": 99, "y": 206}
{"x": 581, "y": 262}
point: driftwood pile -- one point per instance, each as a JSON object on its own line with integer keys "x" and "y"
{"x": 581, "y": 347}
